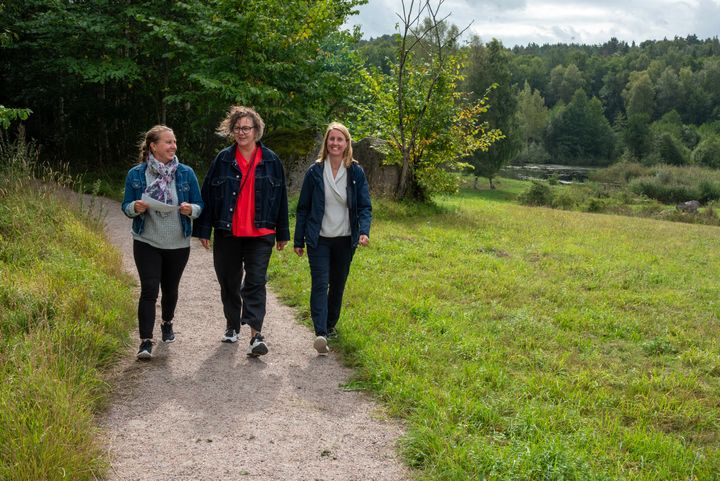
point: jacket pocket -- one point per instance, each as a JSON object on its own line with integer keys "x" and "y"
{"x": 217, "y": 188}
{"x": 137, "y": 186}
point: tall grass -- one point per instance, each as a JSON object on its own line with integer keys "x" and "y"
{"x": 64, "y": 310}
{"x": 525, "y": 343}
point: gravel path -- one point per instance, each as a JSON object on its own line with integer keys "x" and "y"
{"x": 203, "y": 410}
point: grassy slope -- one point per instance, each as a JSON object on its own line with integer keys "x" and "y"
{"x": 64, "y": 309}
{"x": 529, "y": 343}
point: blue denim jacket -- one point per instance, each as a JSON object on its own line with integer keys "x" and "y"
{"x": 311, "y": 205}
{"x": 186, "y": 184}
{"x": 222, "y": 185}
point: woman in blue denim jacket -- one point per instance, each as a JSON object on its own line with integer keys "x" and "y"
{"x": 333, "y": 216}
{"x": 162, "y": 196}
{"x": 246, "y": 206}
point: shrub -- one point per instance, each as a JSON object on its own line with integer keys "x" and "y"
{"x": 659, "y": 189}
{"x": 563, "y": 199}
{"x": 539, "y": 193}
{"x": 707, "y": 153}
{"x": 709, "y": 190}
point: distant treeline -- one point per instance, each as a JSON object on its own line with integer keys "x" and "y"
{"x": 656, "y": 102}
{"x": 95, "y": 74}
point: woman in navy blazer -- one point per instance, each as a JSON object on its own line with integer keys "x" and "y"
{"x": 333, "y": 216}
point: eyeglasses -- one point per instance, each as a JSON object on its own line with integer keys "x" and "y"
{"x": 244, "y": 130}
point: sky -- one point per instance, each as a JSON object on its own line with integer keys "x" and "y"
{"x": 519, "y": 22}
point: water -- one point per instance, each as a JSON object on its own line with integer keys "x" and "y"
{"x": 565, "y": 173}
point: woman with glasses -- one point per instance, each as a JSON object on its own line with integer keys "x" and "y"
{"x": 333, "y": 217}
{"x": 162, "y": 196}
{"x": 246, "y": 207}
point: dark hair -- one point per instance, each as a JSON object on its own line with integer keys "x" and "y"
{"x": 152, "y": 135}
{"x": 235, "y": 113}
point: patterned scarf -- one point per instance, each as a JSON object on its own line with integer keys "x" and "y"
{"x": 163, "y": 174}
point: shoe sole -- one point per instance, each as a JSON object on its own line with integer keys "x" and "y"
{"x": 144, "y": 355}
{"x": 321, "y": 346}
{"x": 257, "y": 351}
{"x": 229, "y": 339}
{"x": 168, "y": 341}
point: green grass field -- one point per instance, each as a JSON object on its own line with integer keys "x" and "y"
{"x": 527, "y": 343}
{"x": 65, "y": 308}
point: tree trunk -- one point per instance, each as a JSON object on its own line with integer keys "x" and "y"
{"x": 405, "y": 178}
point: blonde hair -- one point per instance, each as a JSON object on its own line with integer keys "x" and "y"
{"x": 348, "y": 156}
{"x": 235, "y": 113}
{"x": 149, "y": 137}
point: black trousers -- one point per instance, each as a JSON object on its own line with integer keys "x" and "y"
{"x": 158, "y": 268}
{"x": 329, "y": 269}
{"x": 241, "y": 268}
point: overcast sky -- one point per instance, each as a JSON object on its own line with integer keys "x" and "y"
{"x": 519, "y": 22}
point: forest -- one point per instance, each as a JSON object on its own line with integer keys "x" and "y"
{"x": 86, "y": 77}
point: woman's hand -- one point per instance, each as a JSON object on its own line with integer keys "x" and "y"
{"x": 299, "y": 251}
{"x": 205, "y": 243}
{"x": 364, "y": 240}
{"x": 140, "y": 206}
{"x": 185, "y": 208}
{"x": 281, "y": 245}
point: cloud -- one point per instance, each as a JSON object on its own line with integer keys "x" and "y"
{"x": 519, "y": 22}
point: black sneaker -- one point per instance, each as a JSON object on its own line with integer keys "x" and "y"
{"x": 145, "y": 351}
{"x": 257, "y": 346}
{"x": 332, "y": 334}
{"x": 230, "y": 336}
{"x": 167, "y": 332}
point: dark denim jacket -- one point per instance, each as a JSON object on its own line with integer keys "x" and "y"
{"x": 186, "y": 184}
{"x": 311, "y": 205}
{"x": 220, "y": 190}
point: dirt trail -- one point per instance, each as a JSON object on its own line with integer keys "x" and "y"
{"x": 203, "y": 410}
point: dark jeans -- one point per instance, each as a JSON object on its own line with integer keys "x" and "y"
{"x": 329, "y": 268}
{"x": 241, "y": 268}
{"x": 157, "y": 268}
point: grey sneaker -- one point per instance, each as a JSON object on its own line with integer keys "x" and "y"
{"x": 167, "y": 332}
{"x": 332, "y": 334}
{"x": 321, "y": 345}
{"x": 230, "y": 336}
{"x": 257, "y": 346}
{"x": 145, "y": 351}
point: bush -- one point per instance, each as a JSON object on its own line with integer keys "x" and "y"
{"x": 539, "y": 194}
{"x": 709, "y": 191}
{"x": 563, "y": 199}
{"x": 658, "y": 189}
{"x": 707, "y": 153}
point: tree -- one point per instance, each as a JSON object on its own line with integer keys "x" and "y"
{"x": 669, "y": 150}
{"x": 96, "y": 73}
{"x": 640, "y": 95}
{"x": 8, "y": 115}
{"x": 564, "y": 82}
{"x": 667, "y": 88}
{"x": 490, "y": 76}
{"x": 428, "y": 125}
{"x": 636, "y": 135}
{"x": 579, "y": 133}
{"x": 532, "y": 115}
